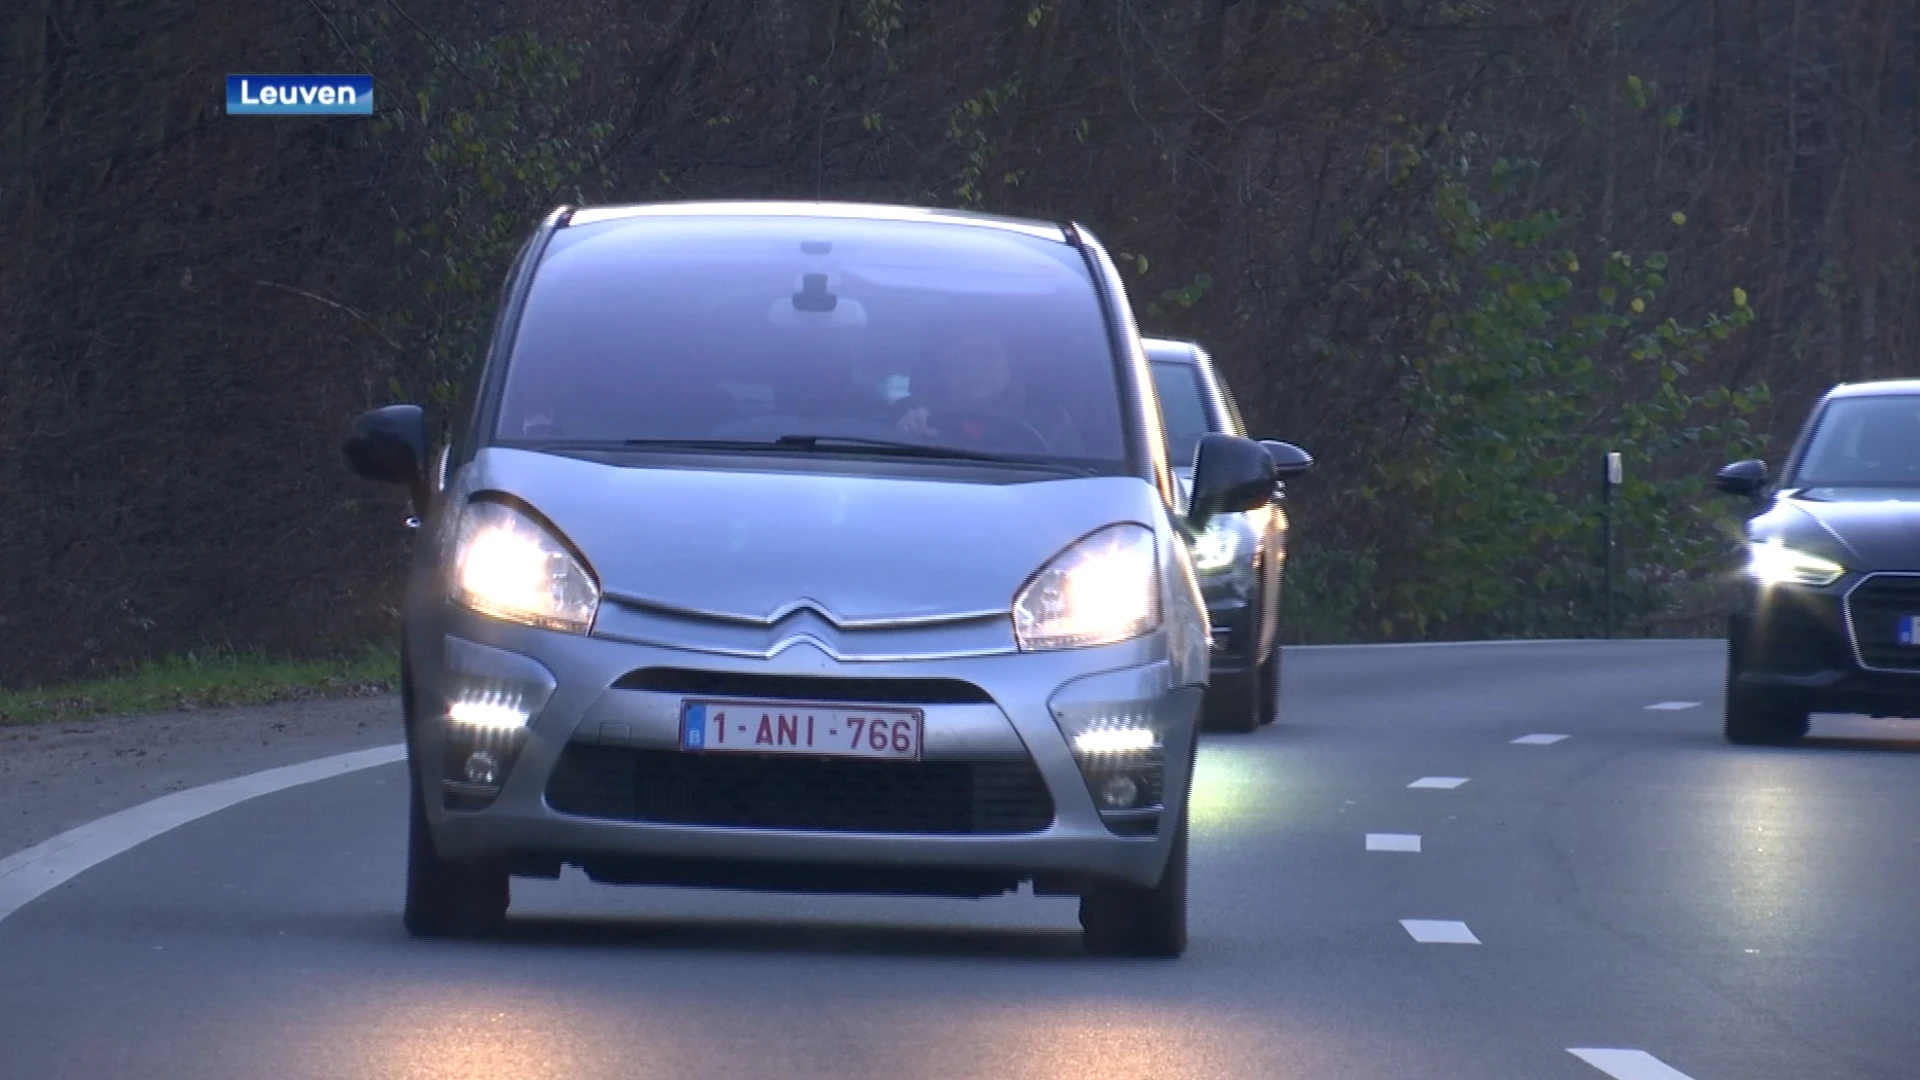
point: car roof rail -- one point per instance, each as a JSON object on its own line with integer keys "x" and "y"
{"x": 1071, "y": 230}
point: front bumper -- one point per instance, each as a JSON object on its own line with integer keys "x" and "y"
{"x": 597, "y": 779}
{"x": 1230, "y": 614}
{"x": 1832, "y": 649}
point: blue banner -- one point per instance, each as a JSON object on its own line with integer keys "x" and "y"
{"x": 299, "y": 95}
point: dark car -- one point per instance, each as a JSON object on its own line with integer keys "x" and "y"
{"x": 1240, "y": 557}
{"x": 1828, "y": 618}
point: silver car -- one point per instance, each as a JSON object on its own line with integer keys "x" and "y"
{"x": 806, "y": 547}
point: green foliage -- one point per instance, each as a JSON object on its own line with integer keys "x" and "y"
{"x": 498, "y": 149}
{"x": 203, "y": 680}
{"x": 967, "y": 129}
{"x": 877, "y": 21}
{"x": 1329, "y": 593}
{"x": 1191, "y": 293}
{"x": 1532, "y": 367}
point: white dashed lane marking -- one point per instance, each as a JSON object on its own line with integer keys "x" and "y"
{"x": 1439, "y": 932}
{"x": 1443, "y": 783}
{"x": 1389, "y": 841}
{"x": 1629, "y": 1064}
{"x": 1672, "y": 706}
{"x": 1537, "y": 740}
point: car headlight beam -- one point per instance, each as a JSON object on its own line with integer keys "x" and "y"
{"x": 1104, "y": 589}
{"x": 1215, "y": 547}
{"x": 509, "y": 567}
{"x": 1771, "y": 562}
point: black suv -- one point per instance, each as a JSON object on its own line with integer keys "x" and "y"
{"x": 1829, "y": 613}
{"x": 1240, "y": 558}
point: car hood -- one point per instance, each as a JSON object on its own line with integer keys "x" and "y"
{"x": 1872, "y": 529}
{"x": 751, "y": 545}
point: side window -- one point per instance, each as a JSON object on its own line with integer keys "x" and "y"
{"x": 460, "y": 436}
{"x": 460, "y": 431}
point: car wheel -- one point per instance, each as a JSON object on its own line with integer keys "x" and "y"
{"x": 1754, "y": 720}
{"x": 1233, "y": 703}
{"x": 1754, "y": 717}
{"x": 1127, "y": 920}
{"x": 447, "y": 899}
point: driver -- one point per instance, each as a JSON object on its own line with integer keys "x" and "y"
{"x": 968, "y": 372}
{"x": 969, "y": 391}
{"x": 1889, "y": 439}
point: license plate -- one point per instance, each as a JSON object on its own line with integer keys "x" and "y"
{"x": 1910, "y": 629}
{"x": 786, "y": 727}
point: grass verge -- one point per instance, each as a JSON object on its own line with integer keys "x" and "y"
{"x": 204, "y": 681}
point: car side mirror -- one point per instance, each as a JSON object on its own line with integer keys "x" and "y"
{"x": 1289, "y": 460}
{"x": 1745, "y": 479}
{"x": 389, "y": 446}
{"x": 1231, "y": 474}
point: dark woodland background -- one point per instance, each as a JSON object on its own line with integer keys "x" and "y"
{"x": 1457, "y": 249}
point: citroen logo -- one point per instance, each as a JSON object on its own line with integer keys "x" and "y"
{"x": 802, "y": 606}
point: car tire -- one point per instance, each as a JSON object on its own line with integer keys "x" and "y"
{"x": 1128, "y": 920}
{"x": 1233, "y": 704}
{"x": 447, "y": 899}
{"x": 1755, "y": 720}
{"x": 1754, "y": 717}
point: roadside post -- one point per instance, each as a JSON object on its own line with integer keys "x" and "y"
{"x": 1609, "y": 479}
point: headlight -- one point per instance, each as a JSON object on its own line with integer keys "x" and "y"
{"x": 1773, "y": 563}
{"x": 506, "y": 566}
{"x": 1215, "y": 548}
{"x": 1104, "y": 589}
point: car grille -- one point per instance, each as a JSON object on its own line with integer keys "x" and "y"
{"x": 1230, "y": 629}
{"x": 1227, "y": 641}
{"x": 1874, "y": 609}
{"x": 1799, "y": 635}
{"x": 894, "y": 691}
{"x": 750, "y": 791}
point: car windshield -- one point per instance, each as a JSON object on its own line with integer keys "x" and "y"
{"x": 1864, "y": 442}
{"x": 752, "y": 329}
{"x": 1183, "y": 410}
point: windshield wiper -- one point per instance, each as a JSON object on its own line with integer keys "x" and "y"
{"x": 825, "y": 442}
{"x": 893, "y": 447}
{"x": 698, "y": 444}
{"x": 926, "y": 450}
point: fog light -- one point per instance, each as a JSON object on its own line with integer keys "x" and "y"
{"x": 492, "y": 710}
{"x": 482, "y": 768}
{"x": 1115, "y": 740}
{"x": 1115, "y": 727}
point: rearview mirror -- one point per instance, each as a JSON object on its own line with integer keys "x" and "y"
{"x": 389, "y": 446}
{"x": 814, "y": 294}
{"x": 1289, "y": 460}
{"x": 1230, "y": 474}
{"x": 1742, "y": 478}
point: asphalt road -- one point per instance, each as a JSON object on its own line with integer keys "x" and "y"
{"x": 1637, "y": 899}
